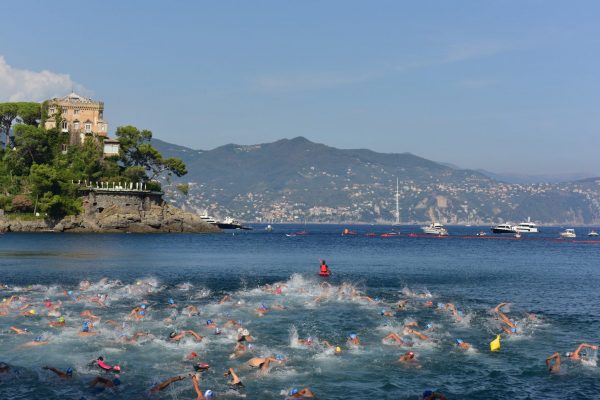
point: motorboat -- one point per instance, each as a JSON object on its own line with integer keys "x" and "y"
{"x": 527, "y": 227}
{"x": 568, "y": 234}
{"x": 593, "y": 233}
{"x": 230, "y": 223}
{"x": 504, "y": 228}
{"x": 435, "y": 229}
{"x": 269, "y": 228}
{"x": 482, "y": 233}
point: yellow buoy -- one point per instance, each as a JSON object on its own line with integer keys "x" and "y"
{"x": 495, "y": 344}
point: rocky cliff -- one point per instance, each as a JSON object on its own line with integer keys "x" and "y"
{"x": 122, "y": 211}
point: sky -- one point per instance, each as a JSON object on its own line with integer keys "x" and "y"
{"x": 506, "y": 86}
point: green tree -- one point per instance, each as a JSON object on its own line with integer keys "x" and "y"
{"x": 30, "y": 113}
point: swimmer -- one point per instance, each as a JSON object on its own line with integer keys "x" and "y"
{"x": 107, "y": 383}
{"x": 305, "y": 393}
{"x": 553, "y": 363}
{"x": 210, "y": 324}
{"x": 417, "y": 334}
{"x": 134, "y": 338}
{"x": 19, "y": 331}
{"x": 164, "y": 384}
{"x": 235, "y": 380}
{"x": 176, "y": 337}
{"x": 87, "y": 314}
{"x": 86, "y": 329}
{"x": 401, "y": 305}
{"x": 353, "y": 340}
{"x": 262, "y": 310}
{"x": 277, "y": 307}
{"x": 59, "y": 323}
{"x": 172, "y": 303}
{"x": 386, "y": 313}
{"x": 232, "y": 323}
{"x": 38, "y": 341}
{"x": 408, "y": 358}
{"x": 397, "y": 339}
{"x": 244, "y": 335}
{"x": 191, "y": 311}
{"x": 66, "y": 374}
{"x": 264, "y": 363}
{"x": 105, "y": 367}
{"x": 28, "y": 313}
{"x": 238, "y": 351}
{"x": 207, "y": 395}
{"x": 138, "y": 313}
{"x": 461, "y": 344}
{"x": 431, "y": 395}
{"x": 575, "y": 355}
{"x": 428, "y": 304}
{"x": 306, "y": 342}
{"x": 225, "y": 299}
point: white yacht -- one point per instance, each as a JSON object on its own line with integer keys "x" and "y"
{"x": 593, "y": 233}
{"x": 208, "y": 219}
{"x": 527, "y": 227}
{"x": 568, "y": 234}
{"x": 435, "y": 229}
{"x": 504, "y": 228}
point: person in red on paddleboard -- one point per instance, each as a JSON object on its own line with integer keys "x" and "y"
{"x": 324, "y": 271}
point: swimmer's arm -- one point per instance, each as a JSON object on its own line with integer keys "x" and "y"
{"x": 326, "y": 343}
{"x": 194, "y": 334}
{"x": 56, "y": 371}
{"x": 584, "y": 346}
{"x": 199, "y": 394}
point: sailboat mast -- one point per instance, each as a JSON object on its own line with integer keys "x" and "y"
{"x": 397, "y": 203}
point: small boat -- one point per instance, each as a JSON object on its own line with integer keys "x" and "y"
{"x": 593, "y": 233}
{"x": 390, "y": 234}
{"x": 518, "y": 235}
{"x": 269, "y": 228}
{"x": 503, "y": 228}
{"x": 371, "y": 234}
{"x": 568, "y": 234}
{"x": 481, "y": 234}
{"x": 435, "y": 229}
{"x": 290, "y": 234}
{"x": 347, "y": 231}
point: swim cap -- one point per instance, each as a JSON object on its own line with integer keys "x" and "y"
{"x": 37, "y": 339}
{"x": 69, "y": 371}
{"x": 250, "y": 346}
{"x": 458, "y": 341}
{"x": 171, "y": 301}
{"x": 70, "y": 292}
{"x": 201, "y": 366}
{"x": 513, "y": 330}
{"x": 209, "y": 321}
{"x": 209, "y": 394}
{"x": 429, "y": 326}
{"x": 172, "y": 334}
{"x": 427, "y": 393}
{"x": 293, "y": 392}
{"x": 142, "y": 312}
{"x": 338, "y": 349}
{"x": 382, "y": 312}
{"x": 279, "y": 357}
{"x": 61, "y": 319}
{"x": 245, "y": 332}
{"x": 353, "y": 336}
{"x": 240, "y": 330}
{"x": 116, "y": 368}
{"x": 32, "y": 311}
{"x": 217, "y": 331}
{"x": 193, "y": 354}
{"x": 568, "y": 354}
{"x": 309, "y": 339}
{"x": 143, "y": 305}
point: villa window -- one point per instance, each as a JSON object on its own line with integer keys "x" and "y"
{"x": 64, "y": 111}
{"x": 76, "y": 126}
{"x": 88, "y": 128}
{"x": 65, "y": 126}
{"x": 51, "y": 110}
{"x": 75, "y": 111}
{"x": 103, "y": 127}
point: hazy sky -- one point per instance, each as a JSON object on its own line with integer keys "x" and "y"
{"x": 503, "y": 85}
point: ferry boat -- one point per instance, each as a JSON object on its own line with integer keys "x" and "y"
{"x": 435, "y": 229}
{"x": 504, "y": 228}
{"x": 527, "y": 227}
{"x": 593, "y": 233}
{"x": 568, "y": 234}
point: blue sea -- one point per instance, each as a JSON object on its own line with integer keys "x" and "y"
{"x": 551, "y": 287}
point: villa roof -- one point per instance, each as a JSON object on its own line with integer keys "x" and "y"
{"x": 74, "y": 98}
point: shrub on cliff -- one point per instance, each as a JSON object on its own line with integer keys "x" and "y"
{"x": 21, "y": 203}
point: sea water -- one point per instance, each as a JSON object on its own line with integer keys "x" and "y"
{"x": 552, "y": 286}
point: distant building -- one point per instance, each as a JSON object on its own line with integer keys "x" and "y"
{"x": 111, "y": 147}
{"x": 80, "y": 117}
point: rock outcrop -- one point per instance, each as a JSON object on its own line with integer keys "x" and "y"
{"x": 118, "y": 211}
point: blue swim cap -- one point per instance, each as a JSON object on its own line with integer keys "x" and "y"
{"x": 458, "y": 341}
{"x": 70, "y": 292}
{"x": 143, "y": 305}
{"x": 382, "y": 311}
{"x": 429, "y": 326}
{"x": 513, "y": 330}
{"x": 427, "y": 393}
{"x": 293, "y": 392}
{"x": 209, "y": 321}
{"x": 279, "y": 357}
{"x": 376, "y": 299}
{"x": 142, "y": 312}
{"x": 171, "y": 301}
{"x": 209, "y": 394}
{"x": 440, "y": 305}
{"x": 353, "y": 336}
{"x": 37, "y": 339}
{"x": 69, "y": 371}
